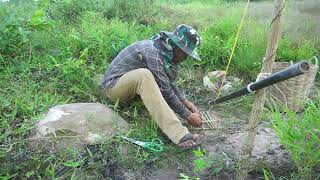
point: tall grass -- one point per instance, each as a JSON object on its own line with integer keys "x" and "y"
{"x": 301, "y": 136}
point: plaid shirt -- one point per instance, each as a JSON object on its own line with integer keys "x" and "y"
{"x": 144, "y": 54}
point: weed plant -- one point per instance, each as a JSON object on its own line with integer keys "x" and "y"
{"x": 300, "y": 135}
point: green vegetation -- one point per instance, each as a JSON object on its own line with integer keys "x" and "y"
{"x": 204, "y": 162}
{"x": 301, "y": 136}
{"x": 51, "y": 52}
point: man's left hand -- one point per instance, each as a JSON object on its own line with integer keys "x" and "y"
{"x": 193, "y": 108}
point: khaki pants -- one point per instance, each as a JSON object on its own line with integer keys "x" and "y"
{"x": 141, "y": 82}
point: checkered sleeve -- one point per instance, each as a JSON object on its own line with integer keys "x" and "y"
{"x": 155, "y": 65}
{"x": 178, "y": 92}
{"x": 175, "y": 87}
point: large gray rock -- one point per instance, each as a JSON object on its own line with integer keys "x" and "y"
{"x": 90, "y": 123}
{"x": 267, "y": 150}
{"x": 266, "y": 147}
{"x": 226, "y": 142}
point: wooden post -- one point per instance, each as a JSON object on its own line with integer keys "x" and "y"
{"x": 257, "y": 109}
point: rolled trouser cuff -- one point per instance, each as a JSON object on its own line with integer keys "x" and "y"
{"x": 177, "y": 138}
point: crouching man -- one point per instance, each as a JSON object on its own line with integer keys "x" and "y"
{"x": 149, "y": 69}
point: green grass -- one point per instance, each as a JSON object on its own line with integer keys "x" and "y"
{"x": 52, "y": 51}
{"x": 300, "y": 135}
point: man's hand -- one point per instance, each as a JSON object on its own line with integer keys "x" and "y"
{"x": 190, "y": 106}
{"x": 195, "y": 119}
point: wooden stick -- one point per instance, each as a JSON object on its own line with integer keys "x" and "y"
{"x": 211, "y": 120}
{"x": 208, "y": 119}
{"x": 260, "y": 98}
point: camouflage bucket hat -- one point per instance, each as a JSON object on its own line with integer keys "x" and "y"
{"x": 187, "y": 39}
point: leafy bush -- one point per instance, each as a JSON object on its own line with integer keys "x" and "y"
{"x": 16, "y": 32}
{"x": 77, "y": 81}
{"x": 301, "y": 136}
{"x": 295, "y": 51}
{"x": 218, "y": 40}
{"x": 70, "y": 11}
{"x": 67, "y": 11}
{"x": 203, "y": 162}
{"x": 99, "y": 41}
{"x": 141, "y": 11}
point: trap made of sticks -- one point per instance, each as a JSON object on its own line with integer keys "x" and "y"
{"x": 208, "y": 122}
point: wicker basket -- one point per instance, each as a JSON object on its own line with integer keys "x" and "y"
{"x": 292, "y": 93}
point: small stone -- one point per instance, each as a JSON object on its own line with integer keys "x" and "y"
{"x": 236, "y": 79}
{"x": 207, "y": 83}
{"x": 271, "y": 151}
{"x": 218, "y": 74}
{"x": 227, "y": 87}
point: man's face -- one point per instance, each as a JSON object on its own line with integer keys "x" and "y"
{"x": 179, "y": 55}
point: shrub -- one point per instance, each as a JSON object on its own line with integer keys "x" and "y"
{"x": 290, "y": 50}
{"x": 141, "y": 11}
{"x": 301, "y": 136}
{"x": 218, "y": 40}
{"x": 16, "y": 32}
{"x": 68, "y": 11}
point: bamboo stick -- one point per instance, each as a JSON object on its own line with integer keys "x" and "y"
{"x": 210, "y": 122}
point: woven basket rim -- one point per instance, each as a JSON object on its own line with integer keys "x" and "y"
{"x": 292, "y": 97}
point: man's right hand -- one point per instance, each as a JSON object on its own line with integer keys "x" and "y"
{"x": 195, "y": 119}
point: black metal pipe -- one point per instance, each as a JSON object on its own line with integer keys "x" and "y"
{"x": 290, "y": 72}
